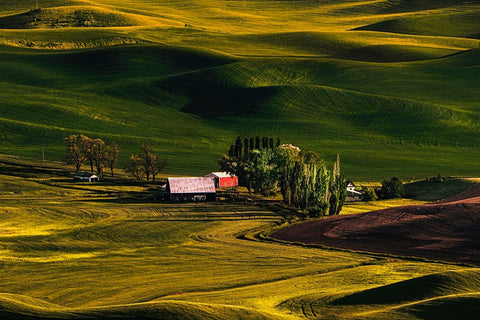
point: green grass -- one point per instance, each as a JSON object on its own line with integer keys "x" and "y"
{"x": 191, "y": 76}
{"x": 454, "y": 24}
{"x": 435, "y": 296}
{"x": 433, "y": 191}
{"x": 200, "y": 74}
{"x": 193, "y": 104}
{"x": 75, "y": 250}
{"x": 400, "y": 98}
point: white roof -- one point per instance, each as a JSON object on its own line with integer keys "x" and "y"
{"x": 220, "y": 174}
{"x": 86, "y": 175}
{"x": 192, "y": 185}
{"x": 354, "y": 192}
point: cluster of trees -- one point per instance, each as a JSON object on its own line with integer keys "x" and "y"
{"x": 81, "y": 149}
{"x": 145, "y": 164}
{"x": 305, "y": 182}
{"x": 438, "y": 178}
{"x": 392, "y": 188}
{"x": 301, "y": 177}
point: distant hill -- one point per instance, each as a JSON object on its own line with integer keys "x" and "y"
{"x": 65, "y": 17}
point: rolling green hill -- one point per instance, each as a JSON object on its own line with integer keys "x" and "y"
{"x": 386, "y": 84}
{"x": 391, "y": 85}
{"x": 100, "y": 251}
{"x": 434, "y": 296}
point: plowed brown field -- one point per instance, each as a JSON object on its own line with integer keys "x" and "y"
{"x": 447, "y": 230}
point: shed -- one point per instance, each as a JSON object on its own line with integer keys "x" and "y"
{"x": 223, "y": 179}
{"x": 191, "y": 189}
{"x": 85, "y": 177}
{"x": 352, "y": 194}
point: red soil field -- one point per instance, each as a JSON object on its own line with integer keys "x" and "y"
{"x": 448, "y": 230}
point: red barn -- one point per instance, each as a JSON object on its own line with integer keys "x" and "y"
{"x": 223, "y": 179}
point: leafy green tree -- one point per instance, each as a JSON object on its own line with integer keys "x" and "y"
{"x": 246, "y": 148}
{"x": 254, "y": 168}
{"x": 392, "y": 188}
{"x": 263, "y": 171}
{"x": 369, "y": 194}
{"x": 338, "y": 189}
{"x": 304, "y": 180}
{"x": 265, "y": 143}
{"x": 287, "y": 157}
{"x": 238, "y": 147}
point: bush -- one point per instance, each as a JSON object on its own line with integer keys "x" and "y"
{"x": 392, "y": 188}
{"x": 318, "y": 211}
{"x": 369, "y": 194}
{"x": 438, "y": 178}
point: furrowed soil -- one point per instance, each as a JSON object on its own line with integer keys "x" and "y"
{"x": 446, "y": 230}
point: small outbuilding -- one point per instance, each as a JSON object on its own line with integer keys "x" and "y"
{"x": 223, "y": 179}
{"x": 191, "y": 189}
{"x": 352, "y": 194}
{"x": 85, "y": 177}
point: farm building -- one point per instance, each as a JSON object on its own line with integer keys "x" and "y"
{"x": 223, "y": 179}
{"x": 85, "y": 177}
{"x": 191, "y": 189}
{"x": 352, "y": 194}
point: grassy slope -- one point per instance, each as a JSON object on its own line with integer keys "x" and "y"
{"x": 433, "y": 191}
{"x": 80, "y": 250}
{"x": 325, "y": 105}
{"x": 213, "y": 70}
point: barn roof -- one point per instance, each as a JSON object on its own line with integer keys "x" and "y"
{"x": 221, "y": 174}
{"x": 85, "y": 174}
{"x": 353, "y": 193}
{"x": 191, "y": 185}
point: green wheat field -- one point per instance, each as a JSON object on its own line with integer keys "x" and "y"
{"x": 95, "y": 251}
{"x": 390, "y": 85}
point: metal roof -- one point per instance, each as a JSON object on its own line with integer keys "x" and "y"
{"x": 220, "y": 174}
{"x": 85, "y": 174}
{"x": 191, "y": 185}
